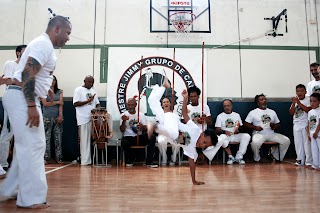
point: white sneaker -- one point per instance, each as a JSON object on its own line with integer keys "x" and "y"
{"x": 129, "y": 164}
{"x": 240, "y": 161}
{"x": 230, "y": 160}
{"x": 164, "y": 164}
{"x": 172, "y": 163}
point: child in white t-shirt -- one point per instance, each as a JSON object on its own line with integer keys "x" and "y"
{"x": 314, "y": 128}
{"x": 299, "y": 109}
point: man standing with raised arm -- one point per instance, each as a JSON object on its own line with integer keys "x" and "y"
{"x": 30, "y": 82}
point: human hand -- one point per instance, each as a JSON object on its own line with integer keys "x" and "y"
{"x": 258, "y": 128}
{"x": 294, "y": 100}
{"x": 272, "y": 125}
{"x": 59, "y": 119}
{"x": 33, "y": 117}
{"x": 228, "y": 133}
{"x": 315, "y": 135}
{"x": 184, "y": 93}
{"x": 91, "y": 98}
{"x": 51, "y": 95}
{"x": 124, "y": 117}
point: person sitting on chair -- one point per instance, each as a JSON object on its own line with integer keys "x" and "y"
{"x": 228, "y": 123}
{"x": 264, "y": 121}
{"x": 130, "y": 127}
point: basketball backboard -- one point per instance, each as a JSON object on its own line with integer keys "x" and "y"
{"x": 162, "y": 10}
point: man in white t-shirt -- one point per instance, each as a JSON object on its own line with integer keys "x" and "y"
{"x": 299, "y": 110}
{"x": 264, "y": 121}
{"x": 228, "y": 123}
{"x": 85, "y": 99}
{"x": 201, "y": 116}
{"x": 132, "y": 124}
{"x": 314, "y": 85}
{"x": 6, "y": 133}
{"x": 30, "y": 82}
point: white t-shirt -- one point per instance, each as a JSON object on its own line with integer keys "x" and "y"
{"x": 9, "y": 68}
{"x": 42, "y": 50}
{"x": 300, "y": 115}
{"x": 313, "y": 119}
{"x": 228, "y": 122}
{"x": 83, "y": 113}
{"x": 313, "y": 86}
{"x": 195, "y": 112}
{"x": 193, "y": 132}
{"x": 131, "y": 123}
{"x": 262, "y": 118}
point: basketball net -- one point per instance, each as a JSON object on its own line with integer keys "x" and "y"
{"x": 182, "y": 23}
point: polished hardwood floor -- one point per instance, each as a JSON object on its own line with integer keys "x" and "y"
{"x": 268, "y": 187}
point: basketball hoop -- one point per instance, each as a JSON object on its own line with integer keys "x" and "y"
{"x": 182, "y": 22}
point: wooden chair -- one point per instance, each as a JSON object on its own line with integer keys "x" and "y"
{"x": 270, "y": 144}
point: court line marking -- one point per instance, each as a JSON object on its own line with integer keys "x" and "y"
{"x": 61, "y": 167}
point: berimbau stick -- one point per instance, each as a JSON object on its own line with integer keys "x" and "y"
{"x": 202, "y": 84}
{"x": 140, "y": 85}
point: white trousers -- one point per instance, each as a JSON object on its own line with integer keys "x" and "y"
{"x": 258, "y": 139}
{"x": 302, "y": 144}
{"x": 85, "y": 143}
{"x": 2, "y": 172}
{"x": 5, "y": 139}
{"x": 243, "y": 139}
{"x": 315, "y": 149}
{"x": 169, "y": 124}
{"x": 163, "y": 145}
{"x": 27, "y": 171}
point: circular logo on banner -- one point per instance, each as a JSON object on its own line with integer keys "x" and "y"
{"x": 153, "y": 72}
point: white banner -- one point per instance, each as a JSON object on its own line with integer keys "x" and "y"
{"x": 124, "y": 65}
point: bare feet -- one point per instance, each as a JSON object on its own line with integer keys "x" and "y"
{"x": 166, "y": 83}
{"x": 36, "y": 206}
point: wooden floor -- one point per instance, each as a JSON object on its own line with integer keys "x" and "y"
{"x": 268, "y": 187}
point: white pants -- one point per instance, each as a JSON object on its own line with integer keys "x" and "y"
{"x": 169, "y": 124}
{"x": 5, "y": 139}
{"x": 163, "y": 145}
{"x": 302, "y": 144}
{"x": 27, "y": 172}
{"x": 259, "y": 139}
{"x": 315, "y": 149}
{"x": 85, "y": 143}
{"x": 243, "y": 139}
{"x": 2, "y": 172}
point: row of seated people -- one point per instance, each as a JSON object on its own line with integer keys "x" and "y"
{"x": 262, "y": 120}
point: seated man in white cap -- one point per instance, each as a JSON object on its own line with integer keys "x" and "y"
{"x": 169, "y": 126}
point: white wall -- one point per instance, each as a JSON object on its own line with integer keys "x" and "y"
{"x": 232, "y": 73}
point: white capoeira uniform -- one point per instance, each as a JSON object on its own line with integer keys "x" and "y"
{"x": 263, "y": 118}
{"x": 6, "y": 133}
{"x": 169, "y": 126}
{"x": 313, "y": 119}
{"x": 27, "y": 171}
{"x": 301, "y": 142}
{"x": 167, "y": 120}
{"x": 313, "y": 86}
{"x": 83, "y": 114}
{"x": 227, "y": 122}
